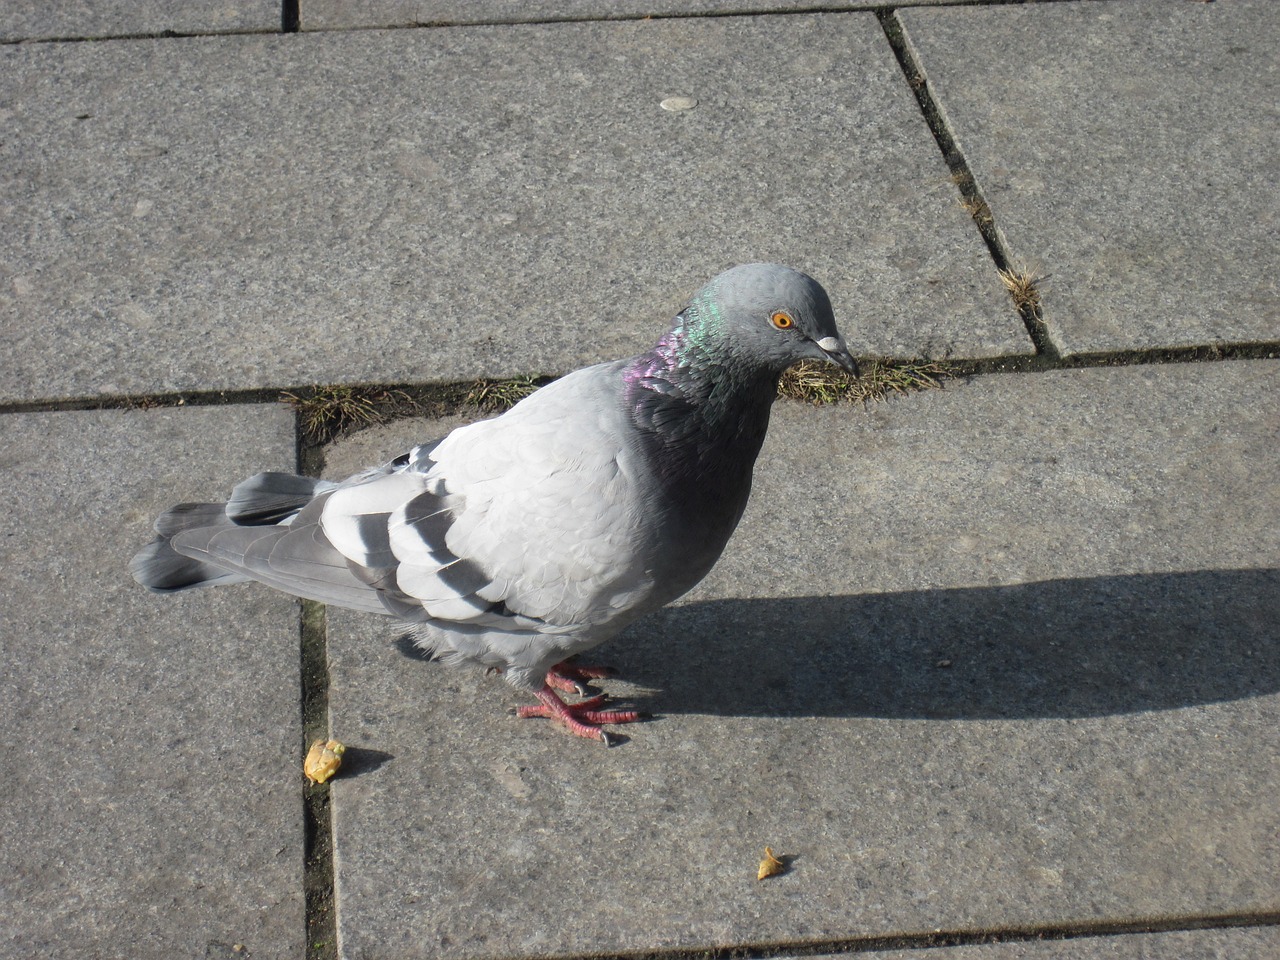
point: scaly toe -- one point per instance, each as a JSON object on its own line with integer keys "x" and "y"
{"x": 582, "y": 719}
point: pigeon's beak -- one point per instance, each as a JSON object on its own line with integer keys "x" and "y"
{"x": 835, "y": 351}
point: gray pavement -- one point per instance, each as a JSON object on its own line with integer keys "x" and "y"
{"x": 416, "y": 205}
{"x": 1098, "y": 744}
{"x": 336, "y": 15}
{"x": 1000, "y": 659}
{"x": 85, "y": 20}
{"x": 1149, "y": 214}
{"x": 151, "y": 807}
{"x": 1219, "y": 944}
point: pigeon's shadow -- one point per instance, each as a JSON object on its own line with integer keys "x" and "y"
{"x": 404, "y": 643}
{"x": 1061, "y": 648}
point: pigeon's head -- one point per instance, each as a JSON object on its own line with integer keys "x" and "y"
{"x": 775, "y": 316}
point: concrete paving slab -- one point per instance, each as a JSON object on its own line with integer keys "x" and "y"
{"x": 434, "y": 205}
{"x": 998, "y": 655}
{"x": 1128, "y": 149}
{"x": 83, "y": 20}
{"x": 1255, "y": 943}
{"x": 152, "y": 744}
{"x": 336, "y": 15}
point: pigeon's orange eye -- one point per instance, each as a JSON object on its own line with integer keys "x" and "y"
{"x": 782, "y": 320}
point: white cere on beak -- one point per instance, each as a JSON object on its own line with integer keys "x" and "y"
{"x": 830, "y": 344}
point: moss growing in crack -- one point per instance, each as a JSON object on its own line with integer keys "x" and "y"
{"x": 819, "y": 383}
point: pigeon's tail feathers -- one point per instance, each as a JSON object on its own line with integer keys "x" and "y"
{"x": 161, "y": 569}
{"x": 270, "y": 498}
{"x": 266, "y": 500}
{"x": 295, "y": 558}
{"x": 188, "y": 516}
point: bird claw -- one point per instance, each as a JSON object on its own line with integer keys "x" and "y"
{"x": 583, "y": 719}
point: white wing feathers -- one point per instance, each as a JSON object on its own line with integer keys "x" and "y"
{"x": 355, "y": 518}
{"x": 527, "y": 521}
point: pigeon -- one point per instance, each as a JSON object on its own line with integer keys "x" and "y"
{"x": 519, "y": 542}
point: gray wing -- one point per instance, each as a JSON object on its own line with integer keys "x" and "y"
{"x": 534, "y": 521}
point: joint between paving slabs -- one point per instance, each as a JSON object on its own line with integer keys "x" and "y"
{"x": 369, "y": 404}
{"x": 319, "y": 904}
{"x": 1021, "y": 283}
{"x": 290, "y": 22}
{"x": 949, "y": 938}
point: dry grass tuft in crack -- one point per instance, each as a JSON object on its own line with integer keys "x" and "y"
{"x": 492, "y": 395}
{"x": 972, "y": 202}
{"x": 815, "y": 382}
{"x": 1024, "y": 286}
{"x": 326, "y": 412}
{"x": 977, "y": 208}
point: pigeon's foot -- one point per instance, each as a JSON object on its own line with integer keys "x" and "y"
{"x": 569, "y": 677}
{"x": 583, "y": 718}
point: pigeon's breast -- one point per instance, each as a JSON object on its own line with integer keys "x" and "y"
{"x": 699, "y": 469}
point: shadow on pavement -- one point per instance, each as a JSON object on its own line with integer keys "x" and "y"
{"x": 361, "y": 760}
{"x": 1059, "y": 648}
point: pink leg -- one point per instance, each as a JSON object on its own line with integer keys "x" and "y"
{"x": 583, "y": 718}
